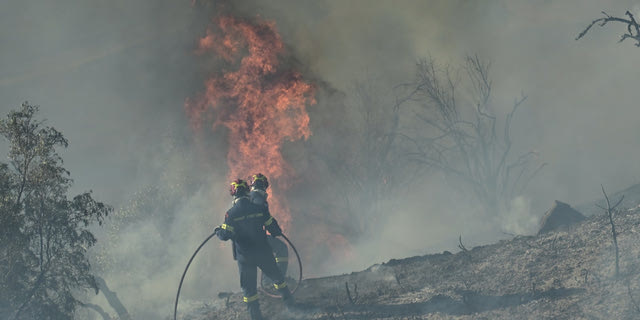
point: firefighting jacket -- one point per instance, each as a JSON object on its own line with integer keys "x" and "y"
{"x": 245, "y": 225}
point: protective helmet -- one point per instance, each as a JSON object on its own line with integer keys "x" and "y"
{"x": 239, "y": 188}
{"x": 259, "y": 181}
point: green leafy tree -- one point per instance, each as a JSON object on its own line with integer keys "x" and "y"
{"x": 44, "y": 235}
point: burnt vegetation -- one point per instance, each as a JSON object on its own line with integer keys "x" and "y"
{"x": 611, "y": 210}
{"x": 461, "y": 134}
{"x": 367, "y": 161}
{"x": 558, "y": 275}
{"x": 444, "y": 121}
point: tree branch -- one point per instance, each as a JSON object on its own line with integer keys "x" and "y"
{"x": 355, "y": 291}
{"x": 632, "y": 25}
{"x": 613, "y": 230}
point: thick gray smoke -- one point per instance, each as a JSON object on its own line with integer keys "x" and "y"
{"x": 578, "y": 115}
{"x": 113, "y": 77}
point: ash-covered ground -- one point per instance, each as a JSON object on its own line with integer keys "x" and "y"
{"x": 559, "y": 275}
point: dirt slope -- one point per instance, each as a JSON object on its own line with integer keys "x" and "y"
{"x": 562, "y": 275}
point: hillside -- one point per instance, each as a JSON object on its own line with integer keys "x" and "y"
{"x": 562, "y": 275}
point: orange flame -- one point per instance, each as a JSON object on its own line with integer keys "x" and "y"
{"x": 262, "y": 103}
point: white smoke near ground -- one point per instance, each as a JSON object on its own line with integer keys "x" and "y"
{"x": 519, "y": 219}
{"x": 144, "y": 247}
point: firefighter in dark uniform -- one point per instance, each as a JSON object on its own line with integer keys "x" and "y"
{"x": 258, "y": 195}
{"x": 245, "y": 225}
{"x": 259, "y": 185}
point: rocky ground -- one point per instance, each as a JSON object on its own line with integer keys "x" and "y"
{"x": 561, "y": 275}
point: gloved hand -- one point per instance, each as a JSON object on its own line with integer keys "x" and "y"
{"x": 276, "y": 232}
{"x": 223, "y": 234}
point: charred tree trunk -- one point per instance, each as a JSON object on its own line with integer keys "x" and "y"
{"x": 113, "y": 300}
{"x": 97, "y": 309}
{"x": 614, "y": 234}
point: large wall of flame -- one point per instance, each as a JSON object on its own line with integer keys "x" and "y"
{"x": 261, "y": 102}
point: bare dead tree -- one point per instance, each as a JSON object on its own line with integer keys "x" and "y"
{"x": 395, "y": 275}
{"x": 610, "y": 211}
{"x": 354, "y": 299}
{"x": 372, "y": 168}
{"x": 636, "y": 308}
{"x": 460, "y": 245}
{"x": 365, "y": 161}
{"x": 462, "y": 137}
{"x": 465, "y": 251}
{"x": 633, "y": 29}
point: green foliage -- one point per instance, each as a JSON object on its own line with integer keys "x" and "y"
{"x": 43, "y": 234}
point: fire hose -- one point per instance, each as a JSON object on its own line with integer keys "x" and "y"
{"x": 293, "y": 290}
{"x": 175, "y": 309}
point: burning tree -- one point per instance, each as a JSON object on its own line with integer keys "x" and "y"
{"x": 461, "y": 138}
{"x": 44, "y": 236}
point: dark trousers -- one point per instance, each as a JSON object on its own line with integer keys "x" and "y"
{"x": 281, "y": 252}
{"x": 249, "y": 272}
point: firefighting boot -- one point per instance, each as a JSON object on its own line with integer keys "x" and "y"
{"x": 287, "y": 297}
{"x": 254, "y": 310}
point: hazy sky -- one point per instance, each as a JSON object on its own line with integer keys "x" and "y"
{"x": 113, "y": 77}
{"x": 581, "y": 98}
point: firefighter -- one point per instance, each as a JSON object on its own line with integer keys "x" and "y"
{"x": 245, "y": 225}
{"x": 258, "y": 195}
{"x": 259, "y": 185}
